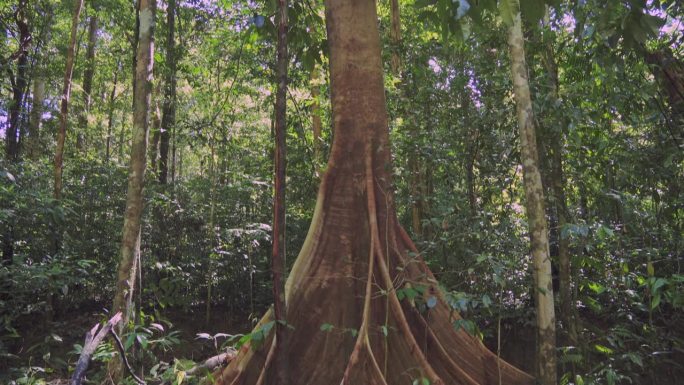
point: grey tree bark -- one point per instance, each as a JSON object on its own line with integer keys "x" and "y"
{"x": 534, "y": 195}
{"x": 130, "y": 243}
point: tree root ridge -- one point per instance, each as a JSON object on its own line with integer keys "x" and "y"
{"x": 355, "y": 330}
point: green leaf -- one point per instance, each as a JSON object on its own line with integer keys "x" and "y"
{"x": 326, "y": 327}
{"x": 603, "y": 349}
{"x": 596, "y": 287}
{"x": 635, "y": 358}
{"x": 486, "y": 301}
{"x": 655, "y": 301}
{"x": 660, "y": 282}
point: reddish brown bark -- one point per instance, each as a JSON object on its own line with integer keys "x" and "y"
{"x": 356, "y": 255}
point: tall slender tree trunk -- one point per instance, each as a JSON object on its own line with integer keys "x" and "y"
{"x": 36, "y": 119}
{"x": 534, "y": 196}
{"x": 87, "y": 84}
{"x": 349, "y": 325}
{"x": 130, "y": 243}
{"x": 110, "y": 114}
{"x": 155, "y": 132}
{"x": 18, "y": 83}
{"x": 169, "y": 108}
{"x": 557, "y": 189}
{"x": 278, "y": 252}
{"x": 317, "y": 124}
{"x": 66, "y": 96}
{"x": 33, "y": 144}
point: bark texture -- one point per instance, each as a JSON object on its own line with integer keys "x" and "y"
{"x": 350, "y": 327}
{"x": 534, "y": 196}
{"x": 134, "y": 202}
{"x": 130, "y": 243}
{"x": 66, "y": 95}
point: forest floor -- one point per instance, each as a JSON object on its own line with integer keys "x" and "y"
{"x": 47, "y": 345}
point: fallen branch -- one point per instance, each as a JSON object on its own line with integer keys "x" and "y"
{"x": 92, "y": 340}
{"x": 213, "y": 362}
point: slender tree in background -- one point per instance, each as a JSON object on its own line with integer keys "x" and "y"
{"x": 87, "y": 84}
{"x": 169, "y": 107}
{"x": 33, "y": 144}
{"x": 66, "y": 96}
{"x": 555, "y": 138}
{"x": 316, "y": 123}
{"x": 417, "y": 179}
{"x": 278, "y": 255}
{"x": 19, "y": 81}
{"x": 130, "y": 243}
{"x": 356, "y": 255}
{"x": 110, "y": 113}
{"x": 18, "y": 84}
{"x": 534, "y": 196}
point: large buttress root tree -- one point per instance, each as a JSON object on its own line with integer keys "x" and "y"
{"x": 356, "y": 255}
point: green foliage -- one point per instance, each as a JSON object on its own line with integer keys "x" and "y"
{"x": 206, "y": 237}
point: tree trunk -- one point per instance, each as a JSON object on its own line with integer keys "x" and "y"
{"x": 169, "y": 108}
{"x": 33, "y": 144}
{"x": 349, "y": 324}
{"x": 18, "y": 83}
{"x": 66, "y": 95}
{"x": 155, "y": 134}
{"x": 557, "y": 189}
{"x": 316, "y": 122}
{"x": 534, "y": 195}
{"x": 35, "y": 121}
{"x": 278, "y": 256}
{"x": 130, "y": 244}
{"x": 110, "y": 114}
{"x": 87, "y": 84}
